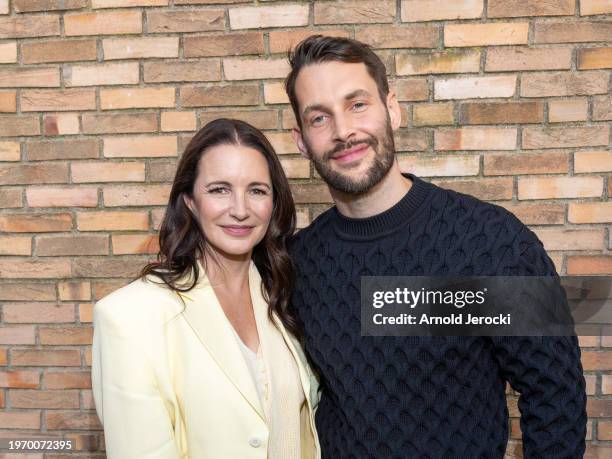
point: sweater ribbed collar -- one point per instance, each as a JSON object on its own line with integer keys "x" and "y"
{"x": 386, "y": 222}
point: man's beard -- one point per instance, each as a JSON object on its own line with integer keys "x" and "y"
{"x": 384, "y": 147}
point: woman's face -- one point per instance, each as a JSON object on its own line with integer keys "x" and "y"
{"x": 232, "y": 199}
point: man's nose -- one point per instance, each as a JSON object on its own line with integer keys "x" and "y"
{"x": 344, "y": 129}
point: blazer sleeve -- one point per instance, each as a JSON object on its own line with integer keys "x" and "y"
{"x": 137, "y": 423}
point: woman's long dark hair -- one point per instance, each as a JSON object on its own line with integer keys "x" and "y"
{"x": 182, "y": 241}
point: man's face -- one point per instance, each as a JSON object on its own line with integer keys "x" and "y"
{"x": 347, "y": 130}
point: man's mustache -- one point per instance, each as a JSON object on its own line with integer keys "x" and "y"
{"x": 371, "y": 141}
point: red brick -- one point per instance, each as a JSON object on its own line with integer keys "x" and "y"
{"x": 108, "y": 171}
{"x": 140, "y": 146}
{"x": 136, "y": 195}
{"x": 224, "y": 45}
{"x": 19, "y": 334}
{"x": 592, "y": 161}
{"x": 121, "y": 73}
{"x": 23, "y": 398}
{"x": 8, "y": 102}
{"x": 178, "y": 121}
{"x": 11, "y": 198}
{"x": 354, "y": 12}
{"x": 58, "y": 51}
{"x": 140, "y": 47}
{"x": 583, "y": 265}
{"x": 185, "y": 21}
{"x": 119, "y": 123}
{"x": 261, "y": 119}
{"x": 14, "y": 126}
{"x": 606, "y": 384}
{"x": 39, "y": 25}
{"x": 103, "y": 23}
{"x": 406, "y": 36}
{"x": 475, "y": 139}
{"x": 604, "y": 430}
{"x": 296, "y": 167}
{"x": 561, "y": 239}
{"x": 79, "y": 196}
{"x": 560, "y": 111}
{"x": 526, "y": 163}
{"x": 38, "y": 313}
{"x": 590, "y": 212}
{"x": 8, "y": 52}
{"x": 504, "y": 59}
{"x": 42, "y": 358}
{"x": 101, "y": 288}
{"x": 564, "y": 84}
{"x": 72, "y": 420}
{"x": 440, "y": 166}
{"x": 411, "y": 89}
{"x": 236, "y": 94}
{"x": 559, "y": 187}
{"x": 112, "y": 221}
{"x": 434, "y": 10}
{"x": 283, "y": 40}
{"x": 107, "y": 267}
{"x": 310, "y": 193}
{"x": 432, "y": 114}
{"x": 74, "y": 290}
{"x": 202, "y": 70}
{"x": 268, "y": 16}
{"x": 12, "y": 174}
{"x": 61, "y": 124}
{"x": 452, "y": 61}
{"x": 16, "y": 245}
{"x": 26, "y": 6}
{"x": 161, "y": 171}
{"x": 125, "y": 244}
{"x": 71, "y": 245}
{"x": 61, "y": 149}
{"x": 50, "y": 100}
{"x": 65, "y": 336}
{"x": 475, "y": 87}
{"x": 590, "y": 7}
{"x": 20, "y": 420}
{"x": 35, "y": 223}
{"x": 18, "y": 269}
{"x": 10, "y": 151}
{"x": 501, "y": 112}
{"x": 129, "y": 3}
{"x": 495, "y": 33}
{"x": 537, "y": 214}
{"x": 602, "y": 108}
{"x": 117, "y": 99}
{"x": 30, "y": 77}
{"x": 516, "y": 8}
{"x": 564, "y": 137}
{"x": 487, "y": 189}
{"x": 20, "y": 379}
{"x": 596, "y": 360}
{"x": 572, "y": 31}
{"x": 67, "y": 380}
{"x": 594, "y": 58}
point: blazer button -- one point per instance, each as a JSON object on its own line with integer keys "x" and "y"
{"x": 255, "y": 442}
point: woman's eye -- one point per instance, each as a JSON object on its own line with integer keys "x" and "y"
{"x": 219, "y": 190}
{"x": 259, "y": 191}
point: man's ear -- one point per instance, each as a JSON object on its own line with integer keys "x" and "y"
{"x": 395, "y": 111}
{"x": 299, "y": 141}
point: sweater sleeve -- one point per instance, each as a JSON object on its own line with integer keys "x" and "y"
{"x": 547, "y": 373}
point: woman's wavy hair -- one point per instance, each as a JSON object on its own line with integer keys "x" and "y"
{"x": 182, "y": 241}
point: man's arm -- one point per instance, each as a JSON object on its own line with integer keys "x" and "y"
{"x": 547, "y": 373}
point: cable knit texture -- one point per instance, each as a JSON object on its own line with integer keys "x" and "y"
{"x": 430, "y": 397}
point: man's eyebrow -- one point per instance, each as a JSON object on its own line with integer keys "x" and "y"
{"x": 349, "y": 96}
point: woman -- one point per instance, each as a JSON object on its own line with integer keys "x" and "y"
{"x": 196, "y": 358}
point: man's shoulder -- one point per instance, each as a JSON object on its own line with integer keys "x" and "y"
{"x": 315, "y": 230}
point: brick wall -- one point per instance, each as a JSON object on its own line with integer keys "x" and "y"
{"x": 507, "y": 100}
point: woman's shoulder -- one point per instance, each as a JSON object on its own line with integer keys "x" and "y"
{"x": 143, "y": 302}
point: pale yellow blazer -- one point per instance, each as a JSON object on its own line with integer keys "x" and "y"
{"x": 169, "y": 380}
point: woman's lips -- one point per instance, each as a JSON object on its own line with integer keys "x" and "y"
{"x": 352, "y": 154}
{"x": 236, "y": 230}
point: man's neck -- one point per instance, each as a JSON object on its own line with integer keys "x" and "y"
{"x": 384, "y": 195}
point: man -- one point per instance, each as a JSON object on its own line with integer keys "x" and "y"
{"x": 411, "y": 397}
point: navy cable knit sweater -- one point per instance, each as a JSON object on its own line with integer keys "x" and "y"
{"x": 430, "y": 397}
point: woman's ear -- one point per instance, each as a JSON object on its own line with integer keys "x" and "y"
{"x": 190, "y": 204}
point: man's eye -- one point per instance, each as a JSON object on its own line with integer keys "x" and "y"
{"x": 317, "y": 120}
{"x": 359, "y": 106}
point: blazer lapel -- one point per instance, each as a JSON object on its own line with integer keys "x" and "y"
{"x": 207, "y": 319}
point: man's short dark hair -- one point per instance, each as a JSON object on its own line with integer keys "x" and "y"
{"x": 318, "y": 48}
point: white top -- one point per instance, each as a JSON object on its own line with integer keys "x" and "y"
{"x": 256, "y": 367}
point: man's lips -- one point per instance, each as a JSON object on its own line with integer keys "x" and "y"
{"x": 237, "y": 230}
{"x": 351, "y": 154}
